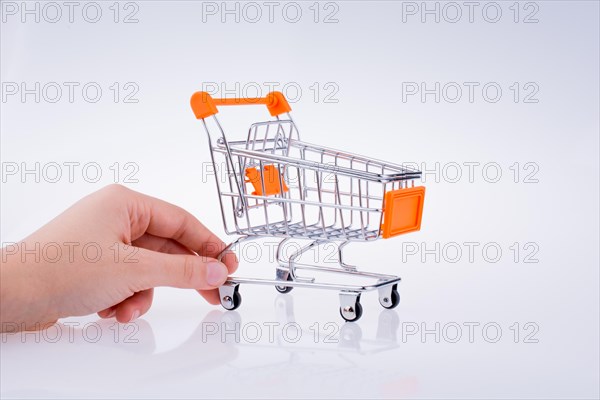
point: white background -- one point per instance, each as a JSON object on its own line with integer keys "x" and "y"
{"x": 365, "y": 61}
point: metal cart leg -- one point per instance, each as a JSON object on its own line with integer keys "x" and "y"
{"x": 286, "y": 271}
{"x": 347, "y": 267}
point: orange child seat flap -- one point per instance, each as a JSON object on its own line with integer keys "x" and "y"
{"x": 403, "y": 211}
{"x": 271, "y": 181}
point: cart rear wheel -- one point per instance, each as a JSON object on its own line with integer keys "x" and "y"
{"x": 392, "y": 300}
{"x": 351, "y": 314}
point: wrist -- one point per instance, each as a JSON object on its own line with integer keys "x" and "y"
{"x": 22, "y": 302}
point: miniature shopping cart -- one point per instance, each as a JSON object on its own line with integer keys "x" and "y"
{"x": 275, "y": 185}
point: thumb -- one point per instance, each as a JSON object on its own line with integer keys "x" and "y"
{"x": 184, "y": 271}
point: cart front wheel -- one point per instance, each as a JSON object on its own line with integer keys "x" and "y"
{"x": 351, "y": 313}
{"x": 232, "y": 301}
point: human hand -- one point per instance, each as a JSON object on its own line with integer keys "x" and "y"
{"x": 106, "y": 254}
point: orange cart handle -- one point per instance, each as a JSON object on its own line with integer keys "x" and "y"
{"x": 204, "y": 105}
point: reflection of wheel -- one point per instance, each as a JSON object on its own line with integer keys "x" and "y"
{"x": 285, "y": 289}
{"x": 350, "y": 335}
{"x": 388, "y": 325}
{"x": 232, "y": 302}
{"x": 392, "y": 301}
{"x": 351, "y": 314}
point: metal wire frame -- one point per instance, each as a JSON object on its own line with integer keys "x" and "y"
{"x": 320, "y": 194}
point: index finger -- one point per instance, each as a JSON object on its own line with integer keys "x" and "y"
{"x": 159, "y": 218}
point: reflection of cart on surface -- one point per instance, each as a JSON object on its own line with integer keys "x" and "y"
{"x": 278, "y": 186}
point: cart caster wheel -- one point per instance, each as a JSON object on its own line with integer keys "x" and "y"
{"x": 351, "y": 313}
{"x": 285, "y": 289}
{"x": 350, "y": 308}
{"x": 230, "y": 297}
{"x": 390, "y": 300}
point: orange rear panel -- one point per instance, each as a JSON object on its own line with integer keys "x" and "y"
{"x": 403, "y": 211}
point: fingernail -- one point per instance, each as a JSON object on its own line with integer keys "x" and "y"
{"x": 111, "y": 314}
{"x": 216, "y": 273}
{"x": 134, "y": 316}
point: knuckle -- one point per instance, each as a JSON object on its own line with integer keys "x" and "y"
{"x": 190, "y": 272}
{"x": 116, "y": 189}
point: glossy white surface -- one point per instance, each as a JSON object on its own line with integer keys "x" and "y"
{"x": 213, "y": 354}
{"x": 296, "y": 345}
{"x": 540, "y": 293}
